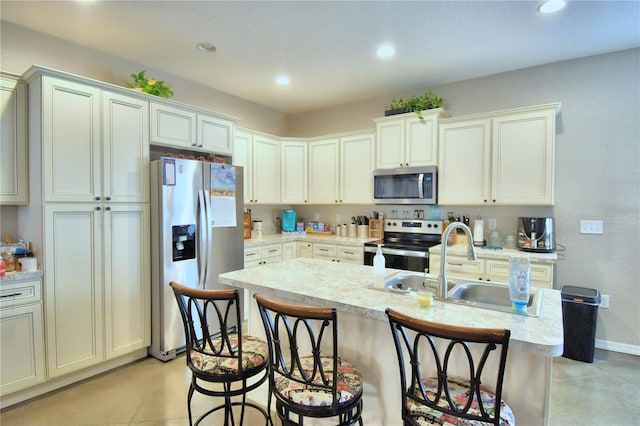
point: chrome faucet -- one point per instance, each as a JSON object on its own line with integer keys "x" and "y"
{"x": 471, "y": 255}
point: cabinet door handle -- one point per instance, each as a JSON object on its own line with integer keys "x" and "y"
{"x": 98, "y": 208}
{"x": 453, "y": 264}
{"x": 108, "y": 198}
{"x": 97, "y": 198}
{"x": 251, "y": 254}
{"x": 321, "y": 249}
{"x": 11, "y": 295}
{"x": 108, "y": 208}
{"x": 349, "y": 252}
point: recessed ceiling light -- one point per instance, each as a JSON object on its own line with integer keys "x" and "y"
{"x": 206, "y": 47}
{"x": 551, "y": 6}
{"x": 283, "y": 80}
{"x": 386, "y": 51}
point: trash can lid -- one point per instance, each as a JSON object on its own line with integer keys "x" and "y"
{"x": 580, "y": 294}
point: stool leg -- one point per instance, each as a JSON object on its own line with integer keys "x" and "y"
{"x": 189, "y": 395}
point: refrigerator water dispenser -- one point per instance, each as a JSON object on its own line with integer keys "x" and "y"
{"x": 184, "y": 242}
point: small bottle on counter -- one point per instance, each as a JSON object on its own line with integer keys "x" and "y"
{"x": 378, "y": 268}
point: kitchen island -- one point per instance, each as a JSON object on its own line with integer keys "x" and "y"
{"x": 365, "y": 338}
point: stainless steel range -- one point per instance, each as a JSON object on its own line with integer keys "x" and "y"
{"x": 406, "y": 243}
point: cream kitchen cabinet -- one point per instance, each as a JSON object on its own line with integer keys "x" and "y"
{"x": 95, "y": 144}
{"x": 96, "y": 265}
{"x": 294, "y": 172}
{"x": 304, "y": 249}
{"x": 187, "y": 128}
{"x": 338, "y": 253}
{"x": 261, "y": 255}
{"x": 13, "y": 140}
{"x": 405, "y": 140}
{"x": 340, "y": 169}
{"x": 89, "y": 218}
{"x": 259, "y": 155}
{"x": 21, "y": 335}
{"x": 289, "y": 250}
{"x": 494, "y": 270}
{"x": 501, "y": 158}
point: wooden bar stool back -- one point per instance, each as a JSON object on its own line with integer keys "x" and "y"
{"x": 449, "y": 399}
{"x": 306, "y": 375}
{"x": 218, "y": 353}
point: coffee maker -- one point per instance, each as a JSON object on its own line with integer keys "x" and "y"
{"x": 288, "y": 220}
{"x": 536, "y": 234}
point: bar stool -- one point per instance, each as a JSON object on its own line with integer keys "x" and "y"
{"x": 444, "y": 398}
{"x": 216, "y": 353}
{"x": 306, "y": 375}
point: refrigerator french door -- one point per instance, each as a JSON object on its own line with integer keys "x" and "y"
{"x": 195, "y": 236}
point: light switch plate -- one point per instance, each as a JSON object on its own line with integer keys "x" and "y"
{"x": 604, "y": 301}
{"x": 492, "y": 223}
{"x": 591, "y": 227}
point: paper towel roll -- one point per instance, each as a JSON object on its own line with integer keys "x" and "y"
{"x": 478, "y": 232}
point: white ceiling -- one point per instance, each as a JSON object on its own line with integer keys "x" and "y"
{"x": 328, "y": 48}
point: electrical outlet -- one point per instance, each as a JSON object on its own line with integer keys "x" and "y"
{"x": 492, "y": 223}
{"x": 604, "y": 301}
{"x": 338, "y": 218}
{"x": 591, "y": 227}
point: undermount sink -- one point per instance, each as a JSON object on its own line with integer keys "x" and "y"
{"x": 410, "y": 283}
{"x": 494, "y": 297}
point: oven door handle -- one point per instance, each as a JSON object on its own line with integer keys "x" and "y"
{"x": 398, "y": 252}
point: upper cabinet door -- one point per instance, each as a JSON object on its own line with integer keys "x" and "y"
{"x": 356, "y": 163}
{"x": 13, "y": 141}
{"x": 215, "y": 134}
{"x": 324, "y": 157}
{"x": 295, "y": 170}
{"x": 421, "y": 141}
{"x": 242, "y": 156}
{"x": 173, "y": 126}
{"x": 71, "y": 141}
{"x": 523, "y": 158}
{"x": 464, "y": 162}
{"x": 125, "y": 148}
{"x": 266, "y": 170}
{"x": 390, "y": 144}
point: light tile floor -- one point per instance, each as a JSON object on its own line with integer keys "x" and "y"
{"x": 150, "y": 392}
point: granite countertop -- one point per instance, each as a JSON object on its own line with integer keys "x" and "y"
{"x": 11, "y": 277}
{"x": 285, "y": 238}
{"x": 504, "y": 253}
{"x": 347, "y": 288}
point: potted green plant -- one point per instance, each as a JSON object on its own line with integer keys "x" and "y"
{"x": 150, "y": 85}
{"x": 417, "y": 104}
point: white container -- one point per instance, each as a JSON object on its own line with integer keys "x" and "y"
{"x": 363, "y": 231}
{"x": 28, "y": 264}
{"x": 378, "y": 268}
{"x": 478, "y": 232}
{"x": 352, "y": 230}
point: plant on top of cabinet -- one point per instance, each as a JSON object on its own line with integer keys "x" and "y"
{"x": 151, "y": 86}
{"x": 417, "y": 104}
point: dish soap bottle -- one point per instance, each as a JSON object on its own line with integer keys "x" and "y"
{"x": 378, "y": 268}
{"x": 519, "y": 282}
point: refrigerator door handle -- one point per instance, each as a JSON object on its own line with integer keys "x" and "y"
{"x": 203, "y": 236}
{"x": 209, "y": 234}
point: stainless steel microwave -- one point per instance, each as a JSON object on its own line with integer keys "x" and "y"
{"x": 407, "y": 185}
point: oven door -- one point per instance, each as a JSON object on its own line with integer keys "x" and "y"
{"x": 408, "y": 260}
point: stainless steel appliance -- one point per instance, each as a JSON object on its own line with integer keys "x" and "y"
{"x": 407, "y": 185}
{"x": 196, "y": 234}
{"x": 406, "y": 243}
{"x": 536, "y": 234}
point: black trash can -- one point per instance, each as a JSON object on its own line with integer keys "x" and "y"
{"x": 579, "y": 315}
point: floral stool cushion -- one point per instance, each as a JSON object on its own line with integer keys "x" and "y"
{"x": 458, "y": 390}
{"x": 255, "y": 354}
{"x": 349, "y": 384}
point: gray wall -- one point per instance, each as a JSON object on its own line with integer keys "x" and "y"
{"x": 597, "y": 153}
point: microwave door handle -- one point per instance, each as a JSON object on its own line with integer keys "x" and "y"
{"x": 420, "y": 185}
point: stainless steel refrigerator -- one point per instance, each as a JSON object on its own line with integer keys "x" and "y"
{"x": 196, "y": 234}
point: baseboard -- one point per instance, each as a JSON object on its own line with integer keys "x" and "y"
{"x": 69, "y": 379}
{"x": 618, "y": 347}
